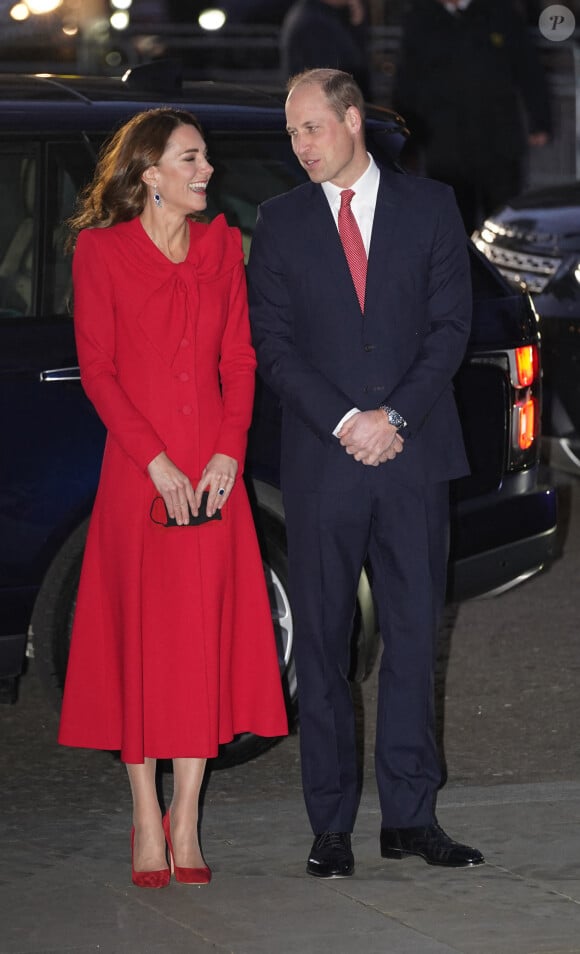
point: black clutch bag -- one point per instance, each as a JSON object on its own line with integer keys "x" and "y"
{"x": 159, "y": 515}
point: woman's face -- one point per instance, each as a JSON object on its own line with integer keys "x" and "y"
{"x": 183, "y": 172}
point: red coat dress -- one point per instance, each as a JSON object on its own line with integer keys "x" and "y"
{"x": 173, "y": 649}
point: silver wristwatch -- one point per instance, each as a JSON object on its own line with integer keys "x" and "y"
{"x": 394, "y": 418}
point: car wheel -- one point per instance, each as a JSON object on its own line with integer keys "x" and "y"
{"x": 273, "y": 546}
{"x": 54, "y": 611}
{"x": 52, "y": 618}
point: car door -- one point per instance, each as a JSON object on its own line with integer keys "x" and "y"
{"x": 42, "y": 408}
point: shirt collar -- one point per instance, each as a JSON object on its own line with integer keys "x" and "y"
{"x": 365, "y": 188}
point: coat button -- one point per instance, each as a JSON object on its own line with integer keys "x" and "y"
{"x": 186, "y": 409}
{"x": 184, "y": 343}
{"x": 369, "y": 347}
{"x": 183, "y": 376}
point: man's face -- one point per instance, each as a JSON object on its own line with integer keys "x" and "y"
{"x": 328, "y": 149}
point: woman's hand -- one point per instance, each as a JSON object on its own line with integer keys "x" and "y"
{"x": 175, "y": 488}
{"x": 218, "y": 478}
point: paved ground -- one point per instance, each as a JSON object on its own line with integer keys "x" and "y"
{"x": 509, "y": 695}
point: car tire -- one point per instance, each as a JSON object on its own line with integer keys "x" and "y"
{"x": 272, "y": 540}
{"x": 52, "y": 618}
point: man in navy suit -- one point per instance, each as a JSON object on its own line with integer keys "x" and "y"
{"x": 370, "y": 439}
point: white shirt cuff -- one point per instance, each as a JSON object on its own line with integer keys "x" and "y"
{"x": 343, "y": 420}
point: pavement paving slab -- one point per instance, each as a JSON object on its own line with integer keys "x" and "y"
{"x": 66, "y": 887}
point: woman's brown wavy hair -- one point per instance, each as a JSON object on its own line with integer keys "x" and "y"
{"x": 117, "y": 192}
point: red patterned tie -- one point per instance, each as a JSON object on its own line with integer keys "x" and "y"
{"x": 353, "y": 245}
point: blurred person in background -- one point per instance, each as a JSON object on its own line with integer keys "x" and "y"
{"x": 472, "y": 90}
{"x": 326, "y": 33}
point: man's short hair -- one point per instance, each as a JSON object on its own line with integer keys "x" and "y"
{"x": 339, "y": 87}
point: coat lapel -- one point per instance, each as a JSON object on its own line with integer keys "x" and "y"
{"x": 322, "y": 233}
{"x": 389, "y": 227}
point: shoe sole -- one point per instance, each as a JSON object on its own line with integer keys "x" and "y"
{"x": 398, "y": 854}
{"x": 327, "y": 877}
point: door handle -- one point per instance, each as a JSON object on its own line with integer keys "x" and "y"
{"x": 61, "y": 374}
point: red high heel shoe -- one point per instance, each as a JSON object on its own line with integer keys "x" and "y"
{"x": 184, "y": 875}
{"x": 148, "y": 879}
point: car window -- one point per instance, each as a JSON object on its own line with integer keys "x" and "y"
{"x": 69, "y": 168}
{"x": 18, "y": 231}
{"x": 248, "y": 171}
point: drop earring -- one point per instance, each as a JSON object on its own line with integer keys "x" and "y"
{"x": 157, "y": 199}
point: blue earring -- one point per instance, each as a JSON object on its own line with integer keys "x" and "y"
{"x": 157, "y": 199}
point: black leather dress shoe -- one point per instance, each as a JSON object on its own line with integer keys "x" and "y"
{"x": 431, "y": 843}
{"x": 331, "y": 856}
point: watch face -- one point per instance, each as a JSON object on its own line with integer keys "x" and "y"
{"x": 393, "y": 416}
{"x": 395, "y": 419}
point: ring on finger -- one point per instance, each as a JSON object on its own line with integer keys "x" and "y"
{"x": 221, "y": 491}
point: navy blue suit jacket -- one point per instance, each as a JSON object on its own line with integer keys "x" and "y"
{"x": 319, "y": 354}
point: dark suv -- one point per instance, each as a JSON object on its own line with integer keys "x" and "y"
{"x": 503, "y": 522}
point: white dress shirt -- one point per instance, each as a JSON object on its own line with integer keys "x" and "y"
{"x": 363, "y": 205}
{"x": 363, "y": 202}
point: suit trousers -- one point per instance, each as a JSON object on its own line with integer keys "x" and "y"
{"x": 402, "y": 531}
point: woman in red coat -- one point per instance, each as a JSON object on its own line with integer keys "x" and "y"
{"x": 173, "y": 650}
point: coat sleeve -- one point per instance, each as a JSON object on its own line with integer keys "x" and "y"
{"x": 449, "y": 303}
{"x": 301, "y": 387}
{"x": 237, "y": 373}
{"x": 95, "y": 333}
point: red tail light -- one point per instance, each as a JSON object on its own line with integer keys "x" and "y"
{"x": 526, "y": 423}
{"x": 526, "y": 365}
